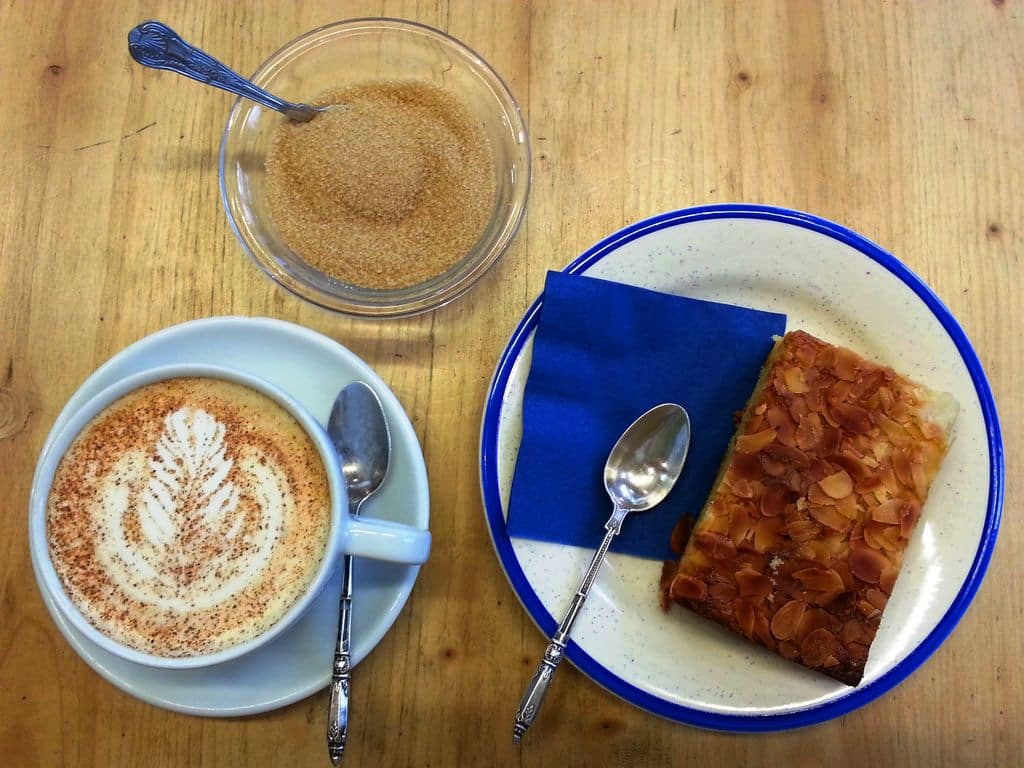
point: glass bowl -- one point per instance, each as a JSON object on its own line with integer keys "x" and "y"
{"x": 347, "y": 53}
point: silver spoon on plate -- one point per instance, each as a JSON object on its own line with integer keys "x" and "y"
{"x": 359, "y": 430}
{"x": 641, "y": 469}
{"x": 155, "y": 45}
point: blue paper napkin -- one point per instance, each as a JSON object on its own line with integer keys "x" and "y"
{"x": 603, "y": 354}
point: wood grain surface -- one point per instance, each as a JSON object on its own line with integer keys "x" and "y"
{"x": 904, "y": 120}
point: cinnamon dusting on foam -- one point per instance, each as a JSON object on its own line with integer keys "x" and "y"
{"x": 188, "y": 516}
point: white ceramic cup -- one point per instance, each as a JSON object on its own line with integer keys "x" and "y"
{"x": 361, "y": 537}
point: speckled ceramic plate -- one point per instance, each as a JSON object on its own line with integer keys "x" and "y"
{"x": 311, "y": 368}
{"x": 832, "y": 283}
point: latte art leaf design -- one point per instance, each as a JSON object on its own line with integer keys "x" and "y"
{"x": 188, "y": 489}
{"x": 181, "y": 541}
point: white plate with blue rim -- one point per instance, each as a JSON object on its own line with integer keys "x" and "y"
{"x": 837, "y": 285}
{"x": 311, "y": 368}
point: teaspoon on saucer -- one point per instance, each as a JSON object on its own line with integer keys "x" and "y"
{"x": 359, "y": 430}
{"x": 155, "y": 45}
{"x": 641, "y": 469}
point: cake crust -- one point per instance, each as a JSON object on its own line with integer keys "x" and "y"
{"x": 801, "y": 541}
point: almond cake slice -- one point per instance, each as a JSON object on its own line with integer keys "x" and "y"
{"x": 801, "y": 540}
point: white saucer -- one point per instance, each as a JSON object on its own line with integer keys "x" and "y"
{"x": 312, "y": 368}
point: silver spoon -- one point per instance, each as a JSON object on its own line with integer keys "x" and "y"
{"x": 156, "y": 45}
{"x": 359, "y": 430}
{"x": 641, "y": 469}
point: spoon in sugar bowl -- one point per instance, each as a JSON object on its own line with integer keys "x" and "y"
{"x": 358, "y": 429}
{"x": 155, "y": 45}
{"x": 641, "y": 470}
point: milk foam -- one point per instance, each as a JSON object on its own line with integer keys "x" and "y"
{"x": 189, "y": 516}
{"x": 187, "y": 493}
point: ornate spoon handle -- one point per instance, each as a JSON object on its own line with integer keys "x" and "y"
{"x": 156, "y": 45}
{"x": 553, "y": 654}
{"x": 337, "y": 711}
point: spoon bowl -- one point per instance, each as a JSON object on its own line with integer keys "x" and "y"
{"x": 646, "y": 461}
{"x": 359, "y": 431}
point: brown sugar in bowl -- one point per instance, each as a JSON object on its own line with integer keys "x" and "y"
{"x": 422, "y": 238}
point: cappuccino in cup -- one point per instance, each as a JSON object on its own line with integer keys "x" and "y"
{"x": 188, "y": 516}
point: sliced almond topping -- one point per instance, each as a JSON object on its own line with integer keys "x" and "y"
{"x": 888, "y": 578}
{"x": 826, "y": 357}
{"x": 901, "y": 466}
{"x": 805, "y": 352}
{"x": 761, "y": 408}
{"x": 756, "y": 442}
{"x": 681, "y": 534}
{"x": 742, "y": 526}
{"x": 668, "y": 573}
{"x": 867, "y": 564}
{"x": 849, "y": 507}
{"x": 793, "y": 378}
{"x": 802, "y": 530}
{"x": 854, "y": 632}
{"x": 885, "y": 398}
{"x": 910, "y": 513}
{"x": 838, "y": 392}
{"x": 798, "y": 409}
{"x": 817, "y": 497}
{"x": 857, "y": 534}
{"x": 744, "y": 613}
{"x": 888, "y": 512}
{"x": 723, "y": 590}
{"x": 772, "y": 467}
{"x": 787, "y": 619}
{"x": 847, "y": 365}
{"x": 766, "y": 533}
{"x": 868, "y": 384}
{"x": 775, "y": 499}
{"x": 858, "y": 652}
{"x": 814, "y": 618}
{"x": 890, "y": 538}
{"x": 877, "y": 598}
{"x": 868, "y": 611}
{"x": 920, "y": 478}
{"x": 900, "y": 411}
{"x": 688, "y": 588}
{"x": 838, "y": 484}
{"x": 932, "y": 431}
{"x": 744, "y": 466}
{"x": 830, "y": 438}
{"x": 869, "y": 485}
{"x": 788, "y": 455}
{"x": 873, "y": 534}
{"x": 853, "y": 465}
{"x": 762, "y": 631}
{"x": 820, "y": 579}
{"x": 851, "y": 417}
{"x": 788, "y": 650}
{"x": 842, "y": 567}
{"x": 815, "y": 397}
{"x": 752, "y": 583}
{"x": 831, "y": 518}
{"x": 895, "y": 432}
{"x": 714, "y": 545}
{"x": 809, "y": 432}
{"x": 818, "y": 646}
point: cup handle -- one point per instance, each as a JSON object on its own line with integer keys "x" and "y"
{"x": 383, "y": 540}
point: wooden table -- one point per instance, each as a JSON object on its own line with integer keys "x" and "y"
{"x": 904, "y": 120}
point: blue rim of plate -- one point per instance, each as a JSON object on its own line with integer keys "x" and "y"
{"x": 857, "y": 697}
